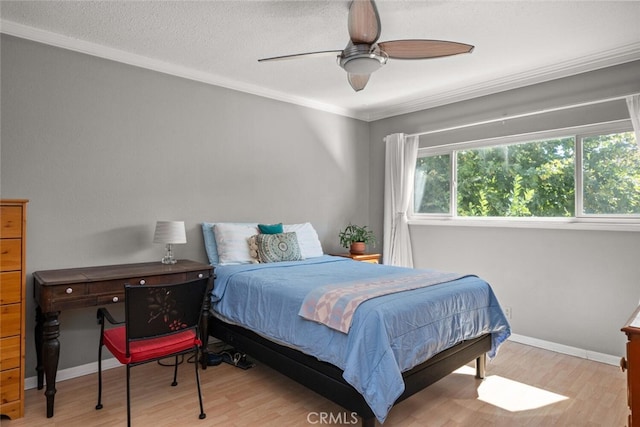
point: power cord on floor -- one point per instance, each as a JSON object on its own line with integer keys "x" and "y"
{"x": 215, "y": 347}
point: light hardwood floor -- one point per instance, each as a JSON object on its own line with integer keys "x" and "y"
{"x": 572, "y": 392}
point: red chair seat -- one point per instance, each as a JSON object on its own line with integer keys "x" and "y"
{"x": 148, "y": 349}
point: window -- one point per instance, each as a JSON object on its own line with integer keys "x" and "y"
{"x": 611, "y": 175}
{"x": 593, "y": 172}
{"x": 433, "y": 184}
{"x": 528, "y": 179}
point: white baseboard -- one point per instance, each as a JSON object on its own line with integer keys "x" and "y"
{"x": 92, "y": 368}
{"x": 76, "y": 371}
{"x": 89, "y": 368}
{"x": 565, "y": 349}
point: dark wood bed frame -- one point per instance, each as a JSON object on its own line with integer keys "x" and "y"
{"x": 326, "y": 379}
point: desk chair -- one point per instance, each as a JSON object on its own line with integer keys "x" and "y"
{"x": 161, "y": 321}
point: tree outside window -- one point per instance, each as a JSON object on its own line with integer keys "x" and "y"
{"x": 534, "y": 179}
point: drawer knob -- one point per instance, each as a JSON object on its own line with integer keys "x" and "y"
{"x": 623, "y": 364}
{"x": 115, "y": 299}
{"x": 69, "y": 290}
{"x": 142, "y": 281}
{"x": 200, "y": 275}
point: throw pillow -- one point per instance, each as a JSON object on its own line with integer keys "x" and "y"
{"x": 270, "y": 228}
{"x": 231, "y": 242}
{"x": 278, "y": 247}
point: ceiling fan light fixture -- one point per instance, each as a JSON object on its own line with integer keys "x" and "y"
{"x": 362, "y": 63}
{"x": 364, "y": 54}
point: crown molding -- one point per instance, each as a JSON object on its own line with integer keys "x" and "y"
{"x": 54, "y": 39}
{"x": 593, "y": 62}
{"x": 623, "y": 54}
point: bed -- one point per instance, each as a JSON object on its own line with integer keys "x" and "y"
{"x": 390, "y": 347}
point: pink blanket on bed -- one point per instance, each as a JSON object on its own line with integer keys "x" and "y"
{"x": 334, "y": 305}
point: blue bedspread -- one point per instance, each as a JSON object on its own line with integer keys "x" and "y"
{"x": 389, "y": 334}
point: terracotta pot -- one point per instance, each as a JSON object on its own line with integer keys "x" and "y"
{"x": 357, "y": 248}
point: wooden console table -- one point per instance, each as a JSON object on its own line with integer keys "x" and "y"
{"x": 57, "y": 290}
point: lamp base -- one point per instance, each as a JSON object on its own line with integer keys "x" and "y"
{"x": 168, "y": 257}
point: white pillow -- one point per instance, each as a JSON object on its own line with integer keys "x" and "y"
{"x": 231, "y": 242}
{"x": 310, "y": 246}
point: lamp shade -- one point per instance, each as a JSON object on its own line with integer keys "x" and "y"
{"x": 170, "y": 232}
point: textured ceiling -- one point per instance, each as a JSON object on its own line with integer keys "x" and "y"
{"x": 219, "y": 42}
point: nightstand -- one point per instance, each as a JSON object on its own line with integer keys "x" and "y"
{"x": 371, "y": 258}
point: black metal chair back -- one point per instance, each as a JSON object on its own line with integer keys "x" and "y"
{"x": 155, "y": 311}
{"x": 160, "y": 321}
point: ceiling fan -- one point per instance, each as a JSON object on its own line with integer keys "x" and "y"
{"x": 364, "y": 55}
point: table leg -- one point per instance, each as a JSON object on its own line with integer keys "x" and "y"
{"x": 50, "y": 356}
{"x": 38, "y": 339}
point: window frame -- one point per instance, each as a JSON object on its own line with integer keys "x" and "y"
{"x": 578, "y": 221}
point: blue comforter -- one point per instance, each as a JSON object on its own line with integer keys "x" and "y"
{"x": 389, "y": 334}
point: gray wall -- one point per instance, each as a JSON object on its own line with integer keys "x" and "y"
{"x": 572, "y": 287}
{"x": 102, "y": 150}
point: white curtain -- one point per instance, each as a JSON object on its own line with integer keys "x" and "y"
{"x": 400, "y": 166}
{"x": 633, "y": 103}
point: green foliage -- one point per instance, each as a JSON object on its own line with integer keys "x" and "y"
{"x": 609, "y": 188}
{"x": 355, "y": 233}
{"x": 534, "y": 179}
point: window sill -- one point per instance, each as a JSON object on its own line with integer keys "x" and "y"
{"x": 546, "y": 223}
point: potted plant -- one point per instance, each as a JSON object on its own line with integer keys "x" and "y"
{"x": 356, "y": 237}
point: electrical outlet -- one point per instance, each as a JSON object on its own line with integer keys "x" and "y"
{"x": 507, "y": 312}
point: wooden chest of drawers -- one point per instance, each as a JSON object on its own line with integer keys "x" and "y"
{"x": 13, "y": 214}
{"x": 631, "y": 364}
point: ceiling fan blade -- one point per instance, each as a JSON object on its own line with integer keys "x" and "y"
{"x": 364, "y": 22}
{"x": 298, "y": 55}
{"x": 423, "y": 49}
{"x": 358, "y": 81}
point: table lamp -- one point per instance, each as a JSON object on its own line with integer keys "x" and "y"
{"x": 169, "y": 233}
